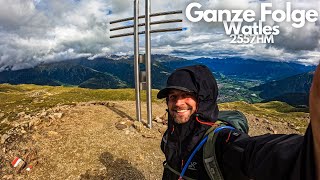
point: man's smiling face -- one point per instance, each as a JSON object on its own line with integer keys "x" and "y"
{"x": 181, "y": 105}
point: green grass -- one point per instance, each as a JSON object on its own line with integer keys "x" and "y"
{"x": 33, "y": 98}
{"x": 274, "y": 111}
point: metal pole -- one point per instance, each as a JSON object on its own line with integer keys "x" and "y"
{"x": 143, "y": 16}
{"x": 148, "y": 62}
{"x": 151, "y": 23}
{"x": 136, "y": 59}
{"x": 152, "y": 31}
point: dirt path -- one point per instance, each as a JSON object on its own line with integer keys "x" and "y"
{"x": 94, "y": 141}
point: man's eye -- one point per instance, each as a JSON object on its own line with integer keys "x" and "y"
{"x": 172, "y": 97}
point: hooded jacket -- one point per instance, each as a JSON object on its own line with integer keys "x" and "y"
{"x": 180, "y": 139}
{"x": 240, "y": 157}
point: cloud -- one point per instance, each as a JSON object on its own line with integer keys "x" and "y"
{"x": 36, "y": 31}
{"x": 39, "y": 31}
{"x": 306, "y": 38}
{"x": 288, "y": 46}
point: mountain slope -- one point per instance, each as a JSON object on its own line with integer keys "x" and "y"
{"x": 253, "y": 69}
{"x": 234, "y": 75}
{"x": 107, "y": 81}
{"x": 293, "y": 90}
{"x": 62, "y": 73}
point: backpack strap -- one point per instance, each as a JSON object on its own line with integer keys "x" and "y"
{"x": 166, "y": 165}
{"x": 209, "y": 153}
{"x": 213, "y": 130}
{"x": 217, "y": 124}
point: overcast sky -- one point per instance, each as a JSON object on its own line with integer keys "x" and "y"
{"x": 35, "y": 31}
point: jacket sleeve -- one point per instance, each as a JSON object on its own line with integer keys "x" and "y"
{"x": 269, "y": 156}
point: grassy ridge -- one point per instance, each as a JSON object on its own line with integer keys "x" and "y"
{"x": 274, "y": 111}
{"x": 34, "y": 98}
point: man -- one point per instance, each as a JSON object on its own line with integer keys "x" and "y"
{"x": 191, "y": 95}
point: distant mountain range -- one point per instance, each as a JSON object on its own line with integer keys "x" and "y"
{"x": 117, "y": 72}
{"x": 294, "y": 90}
{"x": 62, "y": 73}
{"x": 253, "y": 69}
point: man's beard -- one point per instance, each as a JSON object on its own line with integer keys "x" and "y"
{"x": 184, "y": 117}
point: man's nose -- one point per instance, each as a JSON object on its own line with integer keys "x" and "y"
{"x": 180, "y": 101}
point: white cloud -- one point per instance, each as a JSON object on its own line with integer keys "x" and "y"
{"x": 38, "y": 31}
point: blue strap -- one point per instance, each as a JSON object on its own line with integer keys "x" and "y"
{"x": 185, "y": 167}
{"x": 223, "y": 127}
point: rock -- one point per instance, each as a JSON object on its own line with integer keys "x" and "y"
{"x": 58, "y": 115}
{"x": 28, "y": 116}
{"x": 165, "y": 122}
{"x": 297, "y": 128}
{"x": 291, "y": 125}
{"x": 138, "y": 126}
{"x": 23, "y": 131}
{"x": 52, "y": 117}
{"x": 53, "y": 133}
{"x": 2, "y": 115}
{"x": 122, "y": 122}
{"x": 34, "y": 122}
{"x": 21, "y": 114}
{"x": 4, "y": 138}
{"x": 81, "y": 104}
{"x": 129, "y": 123}
{"x": 121, "y": 126}
{"x": 24, "y": 124}
{"x": 266, "y": 121}
{"x": 270, "y": 128}
{"x": 5, "y": 120}
{"x": 158, "y": 119}
{"x": 7, "y": 177}
{"x": 148, "y": 135}
{"x": 308, "y": 120}
{"x": 43, "y": 114}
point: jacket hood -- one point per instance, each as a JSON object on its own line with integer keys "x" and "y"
{"x": 199, "y": 80}
{"x": 207, "y": 92}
